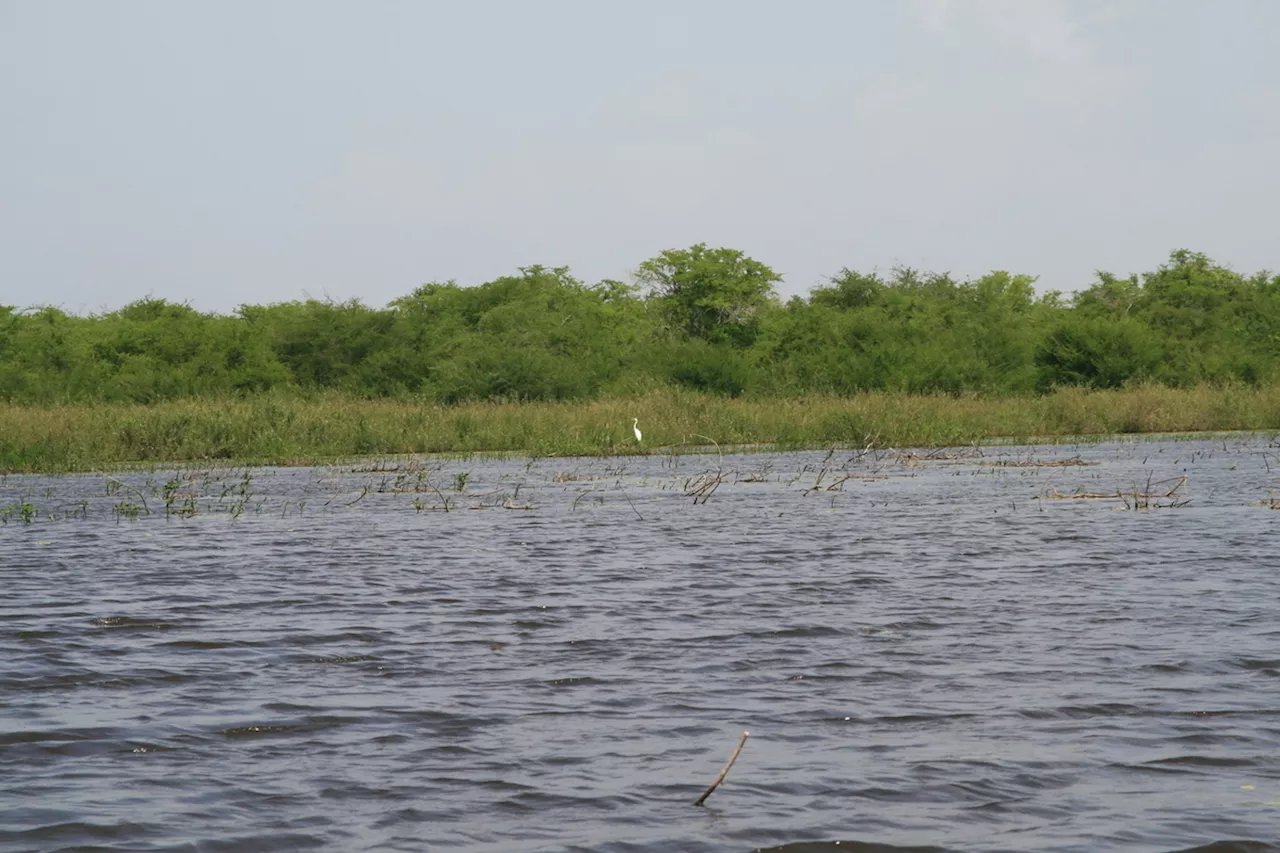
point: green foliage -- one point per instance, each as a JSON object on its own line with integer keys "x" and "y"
{"x": 541, "y": 335}
{"x": 699, "y": 319}
{"x": 1097, "y": 352}
{"x": 703, "y": 366}
{"x": 717, "y": 295}
{"x": 913, "y": 332}
{"x": 1189, "y": 321}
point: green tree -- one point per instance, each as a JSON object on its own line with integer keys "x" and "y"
{"x": 541, "y": 334}
{"x": 1204, "y": 322}
{"x": 1097, "y": 352}
{"x": 717, "y": 295}
{"x": 322, "y": 344}
{"x": 849, "y": 289}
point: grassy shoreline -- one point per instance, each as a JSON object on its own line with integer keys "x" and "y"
{"x": 289, "y": 430}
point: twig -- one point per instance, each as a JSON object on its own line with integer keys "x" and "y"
{"x": 136, "y": 491}
{"x": 713, "y": 441}
{"x": 705, "y": 486}
{"x": 817, "y": 484}
{"x": 724, "y": 772}
{"x": 633, "y": 506}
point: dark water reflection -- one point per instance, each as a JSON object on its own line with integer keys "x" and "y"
{"x": 930, "y": 653}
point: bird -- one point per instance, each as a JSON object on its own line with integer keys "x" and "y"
{"x": 635, "y": 427}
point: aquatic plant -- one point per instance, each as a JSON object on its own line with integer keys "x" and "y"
{"x": 332, "y": 427}
{"x": 23, "y": 511}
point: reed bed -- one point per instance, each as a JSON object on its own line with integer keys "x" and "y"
{"x": 279, "y": 429}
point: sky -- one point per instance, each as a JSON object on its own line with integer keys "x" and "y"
{"x": 260, "y": 151}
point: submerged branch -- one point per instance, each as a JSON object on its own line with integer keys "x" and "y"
{"x": 724, "y": 772}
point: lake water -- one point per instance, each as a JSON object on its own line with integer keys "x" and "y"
{"x": 951, "y": 651}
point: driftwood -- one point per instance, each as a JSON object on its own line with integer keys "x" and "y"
{"x": 1149, "y": 497}
{"x": 703, "y": 487}
{"x": 724, "y": 772}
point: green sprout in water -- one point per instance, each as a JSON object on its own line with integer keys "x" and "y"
{"x": 25, "y": 511}
{"x": 170, "y": 495}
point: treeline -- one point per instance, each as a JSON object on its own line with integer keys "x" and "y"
{"x": 699, "y": 318}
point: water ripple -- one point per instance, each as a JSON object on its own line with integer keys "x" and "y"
{"x": 942, "y": 656}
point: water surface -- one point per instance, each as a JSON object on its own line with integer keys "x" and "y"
{"x": 950, "y": 651}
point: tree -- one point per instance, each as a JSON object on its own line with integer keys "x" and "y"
{"x": 849, "y": 289}
{"x": 713, "y": 294}
{"x": 1097, "y": 352}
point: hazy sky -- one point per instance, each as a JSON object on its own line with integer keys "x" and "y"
{"x": 263, "y": 150}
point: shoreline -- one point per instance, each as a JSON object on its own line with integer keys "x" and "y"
{"x": 279, "y": 430}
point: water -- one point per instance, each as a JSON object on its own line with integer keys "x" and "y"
{"x": 943, "y": 653}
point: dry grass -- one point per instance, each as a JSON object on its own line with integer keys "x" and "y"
{"x": 292, "y": 430}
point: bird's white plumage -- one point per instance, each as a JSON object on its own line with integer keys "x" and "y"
{"x": 635, "y": 427}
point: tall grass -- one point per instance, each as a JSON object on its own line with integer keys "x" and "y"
{"x": 272, "y": 429}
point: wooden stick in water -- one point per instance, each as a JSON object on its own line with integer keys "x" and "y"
{"x": 725, "y": 771}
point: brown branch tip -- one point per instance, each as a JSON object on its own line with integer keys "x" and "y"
{"x": 725, "y": 771}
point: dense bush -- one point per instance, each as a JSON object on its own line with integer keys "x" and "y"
{"x": 705, "y": 319}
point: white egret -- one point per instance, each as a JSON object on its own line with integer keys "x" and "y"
{"x": 635, "y": 427}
